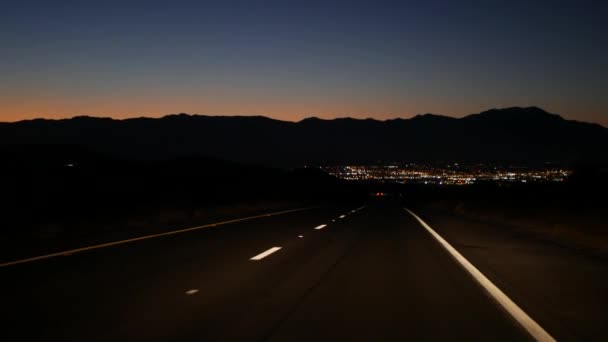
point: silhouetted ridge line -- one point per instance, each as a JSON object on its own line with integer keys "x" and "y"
{"x": 525, "y": 135}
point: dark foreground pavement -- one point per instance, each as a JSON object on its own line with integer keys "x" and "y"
{"x": 375, "y": 274}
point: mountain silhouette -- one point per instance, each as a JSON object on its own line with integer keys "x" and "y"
{"x": 518, "y": 135}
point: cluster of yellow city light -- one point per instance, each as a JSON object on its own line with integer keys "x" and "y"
{"x": 445, "y": 175}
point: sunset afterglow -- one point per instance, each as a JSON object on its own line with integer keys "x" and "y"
{"x": 290, "y": 61}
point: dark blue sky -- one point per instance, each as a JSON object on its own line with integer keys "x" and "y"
{"x": 292, "y": 59}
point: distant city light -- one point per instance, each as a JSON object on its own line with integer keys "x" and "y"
{"x": 447, "y": 174}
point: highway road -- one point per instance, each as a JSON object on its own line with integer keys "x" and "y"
{"x": 372, "y": 272}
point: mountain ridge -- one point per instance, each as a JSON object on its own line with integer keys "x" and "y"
{"x": 493, "y": 112}
{"x": 511, "y": 135}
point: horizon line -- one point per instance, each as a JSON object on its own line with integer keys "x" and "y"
{"x": 93, "y": 116}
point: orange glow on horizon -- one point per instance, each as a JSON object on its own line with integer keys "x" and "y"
{"x": 293, "y": 111}
{"x": 288, "y": 109}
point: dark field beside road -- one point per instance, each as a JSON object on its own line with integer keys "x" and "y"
{"x": 571, "y": 214}
{"x": 63, "y": 197}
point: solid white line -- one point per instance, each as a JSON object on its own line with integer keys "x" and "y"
{"x": 537, "y": 332}
{"x": 320, "y": 227}
{"x": 265, "y": 254}
{"x": 342, "y": 216}
{"x": 191, "y": 292}
{"x": 146, "y": 237}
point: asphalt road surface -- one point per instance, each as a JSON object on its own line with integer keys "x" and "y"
{"x": 322, "y": 274}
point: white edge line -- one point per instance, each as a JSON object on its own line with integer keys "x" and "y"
{"x": 320, "y": 227}
{"x": 265, "y": 253}
{"x": 146, "y": 237}
{"x": 533, "y": 328}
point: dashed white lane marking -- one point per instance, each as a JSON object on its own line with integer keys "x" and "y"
{"x": 146, "y": 237}
{"x": 300, "y": 236}
{"x": 533, "y": 328}
{"x": 334, "y": 220}
{"x": 320, "y": 227}
{"x": 342, "y": 216}
{"x": 265, "y": 254}
{"x": 191, "y": 292}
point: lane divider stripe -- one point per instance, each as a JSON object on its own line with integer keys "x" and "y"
{"x": 320, "y": 227}
{"x": 533, "y": 328}
{"x": 146, "y": 237}
{"x": 265, "y": 253}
